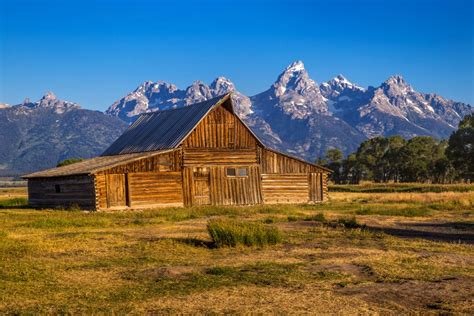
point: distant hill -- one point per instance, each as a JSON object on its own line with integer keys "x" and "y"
{"x": 37, "y": 135}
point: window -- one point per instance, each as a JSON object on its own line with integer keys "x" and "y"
{"x": 242, "y": 172}
{"x": 236, "y": 172}
{"x": 230, "y": 172}
{"x": 57, "y": 188}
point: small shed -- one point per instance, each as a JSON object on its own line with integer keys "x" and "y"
{"x": 201, "y": 154}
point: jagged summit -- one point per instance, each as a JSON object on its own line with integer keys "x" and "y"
{"x": 337, "y": 86}
{"x": 154, "y": 96}
{"x": 296, "y": 66}
{"x": 396, "y": 85}
{"x": 294, "y": 93}
{"x": 49, "y": 100}
{"x": 222, "y": 85}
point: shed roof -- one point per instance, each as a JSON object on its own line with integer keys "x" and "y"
{"x": 93, "y": 165}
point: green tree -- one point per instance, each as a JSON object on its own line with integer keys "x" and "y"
{"x": 460, "y": 150}
{"x": 370, "y": 156}
{"x": 392, "y": 157}
{"x": 351, "y": 170}
{"x": 69, "y": 161}
{"x": 334, "y": 159}
{"x": 418, "y": 159}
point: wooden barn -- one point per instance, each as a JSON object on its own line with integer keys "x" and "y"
{"x": 202, "y": 154}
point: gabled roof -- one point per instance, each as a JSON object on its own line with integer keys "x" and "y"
{"x": 163, "y": 129}
{"x": 93, "y": 165}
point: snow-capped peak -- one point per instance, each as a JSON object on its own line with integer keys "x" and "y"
{"x": 299, "y": 96}
{"x": 339, "y": 84}
{"x": 396, "y": 85}
{"x": 49, "y": 96}
{"x": 222, "y": 85}
{"x": 295, "y": 66}
{"x": 49, "y": 100}
{"x": 341, "y": 79}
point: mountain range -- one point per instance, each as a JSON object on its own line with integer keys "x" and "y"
{"x": 301, "y": 117}
{"x": 295, "y": 114}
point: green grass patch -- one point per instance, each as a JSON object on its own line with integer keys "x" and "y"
{"x": 401, "y": 187}
{"x": 15, "y": 202}
{"x": 407, "y": 212}
{"x": 66, "y": 222}
{"x": 230, "y": 233}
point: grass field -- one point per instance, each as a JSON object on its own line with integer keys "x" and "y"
{"x": 359, "y": 253}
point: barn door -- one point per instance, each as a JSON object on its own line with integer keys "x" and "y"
{"x": 202, "y": 192}
{"x": 116, "y": 191}
{"x": 316, "y": 187}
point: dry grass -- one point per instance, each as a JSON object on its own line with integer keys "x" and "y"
{"x": 161, "y": 261}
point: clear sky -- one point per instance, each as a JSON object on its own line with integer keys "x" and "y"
{"x": 94, "y": 52}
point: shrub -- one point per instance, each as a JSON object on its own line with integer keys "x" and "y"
{"x": 231, "y": 233}
{"x": 269, "y": 220}
{"x": 316, "y": 218}
{"x": 349, "y": 222}
{"x": 292, "y": 218}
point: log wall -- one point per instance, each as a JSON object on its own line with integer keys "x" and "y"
{"x": 273, "y": 162}
{"x": 223, "y": 189}
{"x": 73, "y": 190}
{"x": 220, "y": 129}
{"x": 158, "y": 188}
{"x": 285, "y": 188}
{"x": 207, "y": 156}
{"x": 170, "y": 161}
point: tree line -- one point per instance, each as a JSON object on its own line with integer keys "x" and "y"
{"x": 419, "y": 159}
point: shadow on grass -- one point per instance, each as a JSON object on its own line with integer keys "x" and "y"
{"x": 453, "y": 225}
{"x": 195, "y": 242}
{"x": 467, "y": 238}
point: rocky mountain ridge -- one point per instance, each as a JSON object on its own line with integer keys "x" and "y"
{"x": 297, "y": 115}
{"x": 37, "y": 135}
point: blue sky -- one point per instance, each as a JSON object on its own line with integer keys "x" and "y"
{"x": 94, "y": 52}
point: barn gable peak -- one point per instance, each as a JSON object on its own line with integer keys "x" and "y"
{"x": 167, "y": 129}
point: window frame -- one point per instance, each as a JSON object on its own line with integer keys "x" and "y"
{"x": 237, "y": 172}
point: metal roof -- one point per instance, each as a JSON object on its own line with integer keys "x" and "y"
{"x": 93, "y": 165}
{"x": 162, "y": 129}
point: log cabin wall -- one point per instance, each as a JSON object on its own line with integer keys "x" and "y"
{"x": 222, "y": 189}
{"x": 220, "y": 129}
{"x": 285, "y": 188}
{"x": 221, "y": 142}
{"x": 62, "y": 192}
{"x": 170, "y": 161}
{"x": 288, "y": 180}
{"x": 152, "y": 181}
{"x": 273, "y": 162}
{"x": 152, "y": 188}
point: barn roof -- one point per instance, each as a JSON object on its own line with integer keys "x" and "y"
{"x": 92, "y": 165}
{"x": 163, "y": 129}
